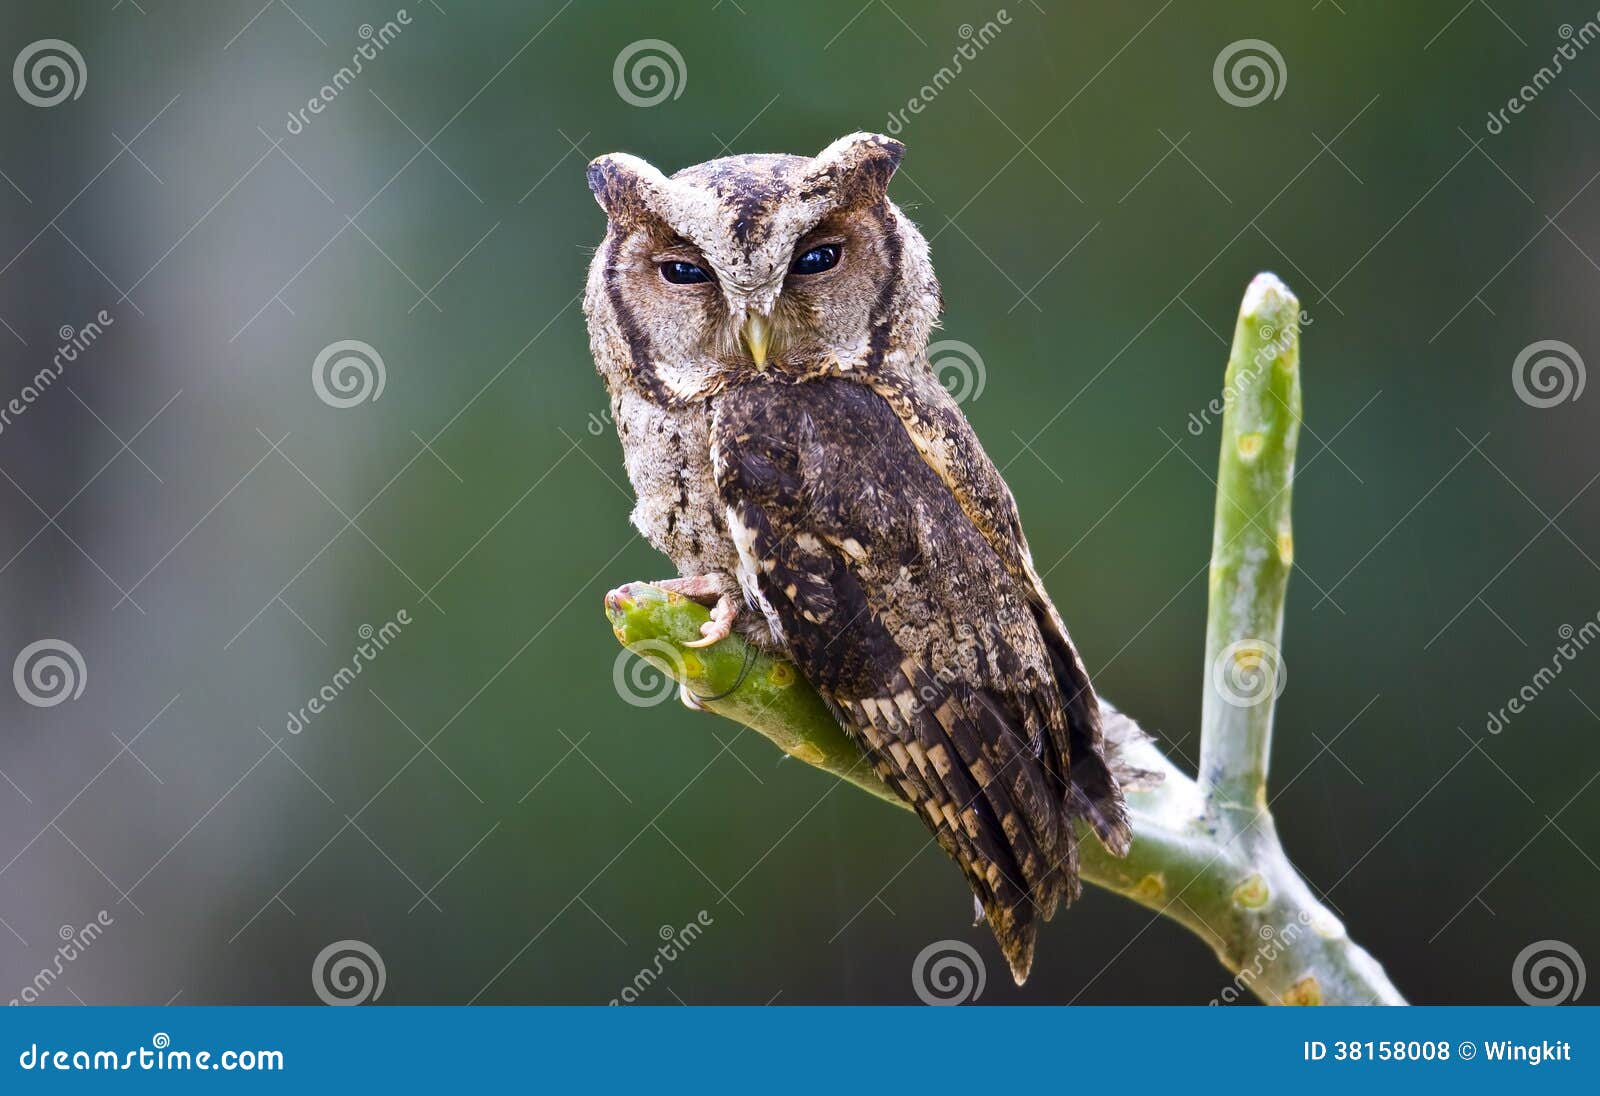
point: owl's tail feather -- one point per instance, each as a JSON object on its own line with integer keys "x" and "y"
{"x": 1015, "y": 930}
{"x": 1093, "y": 796}
{"x": 1018, "y": 951}
{"x": 1093, "y": 793}
{"x": 1013, "y": 914}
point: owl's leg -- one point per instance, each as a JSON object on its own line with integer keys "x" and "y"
{"x": 706, "y": 589}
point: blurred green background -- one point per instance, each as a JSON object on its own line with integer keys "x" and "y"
{"x": 536, "y": 848}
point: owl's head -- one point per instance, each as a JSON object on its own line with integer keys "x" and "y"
{"x": 785, "y": 265}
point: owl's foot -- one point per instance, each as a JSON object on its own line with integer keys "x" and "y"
{"x": 720, "y": 624}
{"x": 712, "y": 591}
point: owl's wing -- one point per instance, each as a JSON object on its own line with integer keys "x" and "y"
{"x": 950, "y": 448}
{"x": 901, "y": 614}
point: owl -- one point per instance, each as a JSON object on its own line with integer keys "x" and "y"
{"x": 761, "y": 324}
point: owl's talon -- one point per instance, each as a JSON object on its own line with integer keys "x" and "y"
{"x": 690, "y": 701}
{"x": 712, "y": 631}
{"x": 720, "y": 624}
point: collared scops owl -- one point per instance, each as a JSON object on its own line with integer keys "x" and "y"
{"x": 761, "y": 324}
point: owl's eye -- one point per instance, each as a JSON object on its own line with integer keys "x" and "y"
{"x": 816, "y": 260}
{"x": 681, "y": 273}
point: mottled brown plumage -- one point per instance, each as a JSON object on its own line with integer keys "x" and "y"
{"x": 789, "y": 445}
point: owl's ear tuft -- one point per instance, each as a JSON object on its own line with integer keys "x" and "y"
{"x": 624, "y": 185}
{"x": 859, "y": 166}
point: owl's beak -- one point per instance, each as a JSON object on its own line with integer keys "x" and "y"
{"x": 757, "y": 333}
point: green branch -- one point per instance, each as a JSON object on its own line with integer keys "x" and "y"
{"x": 1205, "y": 853}
{"x": 1252, "y": 550}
